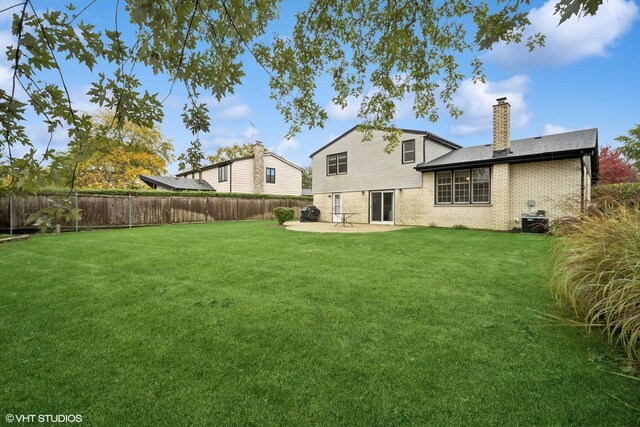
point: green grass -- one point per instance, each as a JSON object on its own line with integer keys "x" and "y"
{"x": 248, "y": 323}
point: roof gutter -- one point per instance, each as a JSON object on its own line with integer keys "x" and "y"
{"x": 560, "y": 155}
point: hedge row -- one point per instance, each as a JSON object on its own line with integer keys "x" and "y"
{"x": 159, "y": 193}
{"x": 627, "y": 194}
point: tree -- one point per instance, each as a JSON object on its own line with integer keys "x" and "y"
{"x": 307, "y": 177}
{"x": 631, "y": 145}
{"x": 614, "y": 168}
{"x": 382, "y": 51}
{"x": 116, "y": 156}
{"x": 191, "y": 159}
{"x": 234, "y": 151}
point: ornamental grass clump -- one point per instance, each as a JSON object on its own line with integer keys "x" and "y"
{"x": 597, "y": 273}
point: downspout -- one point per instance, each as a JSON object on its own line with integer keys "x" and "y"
{"x": 582, "y": 187}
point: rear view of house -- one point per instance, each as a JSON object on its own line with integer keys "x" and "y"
{"x": 428, "y": 180}
{"x": 262, "y": 173}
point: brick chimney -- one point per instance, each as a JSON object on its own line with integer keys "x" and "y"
{"x": 258, "y": 167}
{"x": 501, "y": 128}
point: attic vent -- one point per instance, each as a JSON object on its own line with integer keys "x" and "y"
{"x": 537, "y": 137}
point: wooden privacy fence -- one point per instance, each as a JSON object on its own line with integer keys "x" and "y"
{"x": 108, "y": 211}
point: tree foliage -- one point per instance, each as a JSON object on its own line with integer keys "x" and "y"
{"x": 234, "y": 151}
{"x": 631, "y": 145}
{"x": 115, "y": 157}
{"x": 193, "y": 158}
{"x": 383, "y": 52}
{"x": 614, "y": 168}
{"x": 307, "y": 177}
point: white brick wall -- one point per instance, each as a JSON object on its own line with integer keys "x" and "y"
{"x": 554, "y": 185}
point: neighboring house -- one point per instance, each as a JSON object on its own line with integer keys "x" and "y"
{"x": 428, "y": 180}
{"x": 172, "y": 183}
{"x": 261, "y": 173}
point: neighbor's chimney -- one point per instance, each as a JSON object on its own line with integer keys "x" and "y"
{"x": 258, "y": 167}
{"x": 501, "y": 127}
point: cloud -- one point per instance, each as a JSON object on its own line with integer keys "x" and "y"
{"x": 551, "y": 129}
{"x": 229, "y": 108}
{"x": 235, "y": 112}
{"x": 222, "y": 136}
{"x": 287, "y": 145}
{"x": 476, "y": 100}
{"x": 575, "y": 39}
{"x": 350, "y": 112}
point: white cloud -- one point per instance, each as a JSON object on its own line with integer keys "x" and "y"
{"x": 287, "y": 145}
{"x": 350, "y": 112}
{"x": 222, "y": 136}
{"x": 476, "y": 100}
{"x": 229, "y": 108}
{"x": 551, "y": 129}
{"x": 575, "y": 39}
{"x": 235, "y": 112}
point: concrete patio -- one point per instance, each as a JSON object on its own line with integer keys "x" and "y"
{"x": 329, "y": 227}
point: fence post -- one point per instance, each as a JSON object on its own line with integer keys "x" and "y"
{"x": 76, "y": 206}
{"x": 237, "y": 209}
{"x": 130, "y": 210}
{"x": 10, "y": 215}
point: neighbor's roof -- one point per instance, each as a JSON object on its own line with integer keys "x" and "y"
{"x": 426, "y": 134}
{"x": 226, "y": 162}
{"x": 549, "y": 147}
{"x": 177, "y": 183}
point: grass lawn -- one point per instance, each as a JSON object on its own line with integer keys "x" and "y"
{"x": 247, "y": 323}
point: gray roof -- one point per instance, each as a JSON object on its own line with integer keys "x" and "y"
{"x": 548, "y": 147}
{"x": 179, "y": 184}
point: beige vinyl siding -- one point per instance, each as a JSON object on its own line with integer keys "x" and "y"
{"x": 211, "y": 176}
{"x": 288, "y": 178}
{"x": 433, "y": 150}
{"x": 242, "y": 176}
{"x": 368, "y": 166}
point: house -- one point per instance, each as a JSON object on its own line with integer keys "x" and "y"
{"x": 428, "y": 180}
{"x": 171, "y": 183}
{"x": 263, "y": 172}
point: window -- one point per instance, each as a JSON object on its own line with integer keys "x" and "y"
{"x": 461, "y": 184}
{"x": 223, "y": 173}
{"x": 409, "y": 151}
{"x": 480, "y": 185}
{"x": 337, "y": 164}
{"x": 271, "y": 175}
{"x": 443, "y": 185}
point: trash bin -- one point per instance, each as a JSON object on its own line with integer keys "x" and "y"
{"x": 309, "y": 214}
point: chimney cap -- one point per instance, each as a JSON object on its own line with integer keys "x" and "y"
{"x": 501, "y": 100}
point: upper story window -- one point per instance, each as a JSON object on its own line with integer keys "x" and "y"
{"x": 223, "y": 173}
{"x": 463, "y": 186}
{"x": 271, "y": 175}
{"x": 337, "y": 164}
{"x": 409, "y": 151}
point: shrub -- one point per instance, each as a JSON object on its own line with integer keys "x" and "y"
{"x": 460, "y": 227}
{"x": 283, "y": 214}
{"x": 612, "y": 195}
{"x": 597, "y": 273}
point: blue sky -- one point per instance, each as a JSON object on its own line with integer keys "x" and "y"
{"x": 586, "y": 76}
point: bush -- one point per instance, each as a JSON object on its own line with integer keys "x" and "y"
{"x": 612, "y": 195}
{"x": 283, "y": 214}
{"x": 597, "y": 273}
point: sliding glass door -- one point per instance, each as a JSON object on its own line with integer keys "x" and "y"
{"x": 382, "y": 207}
